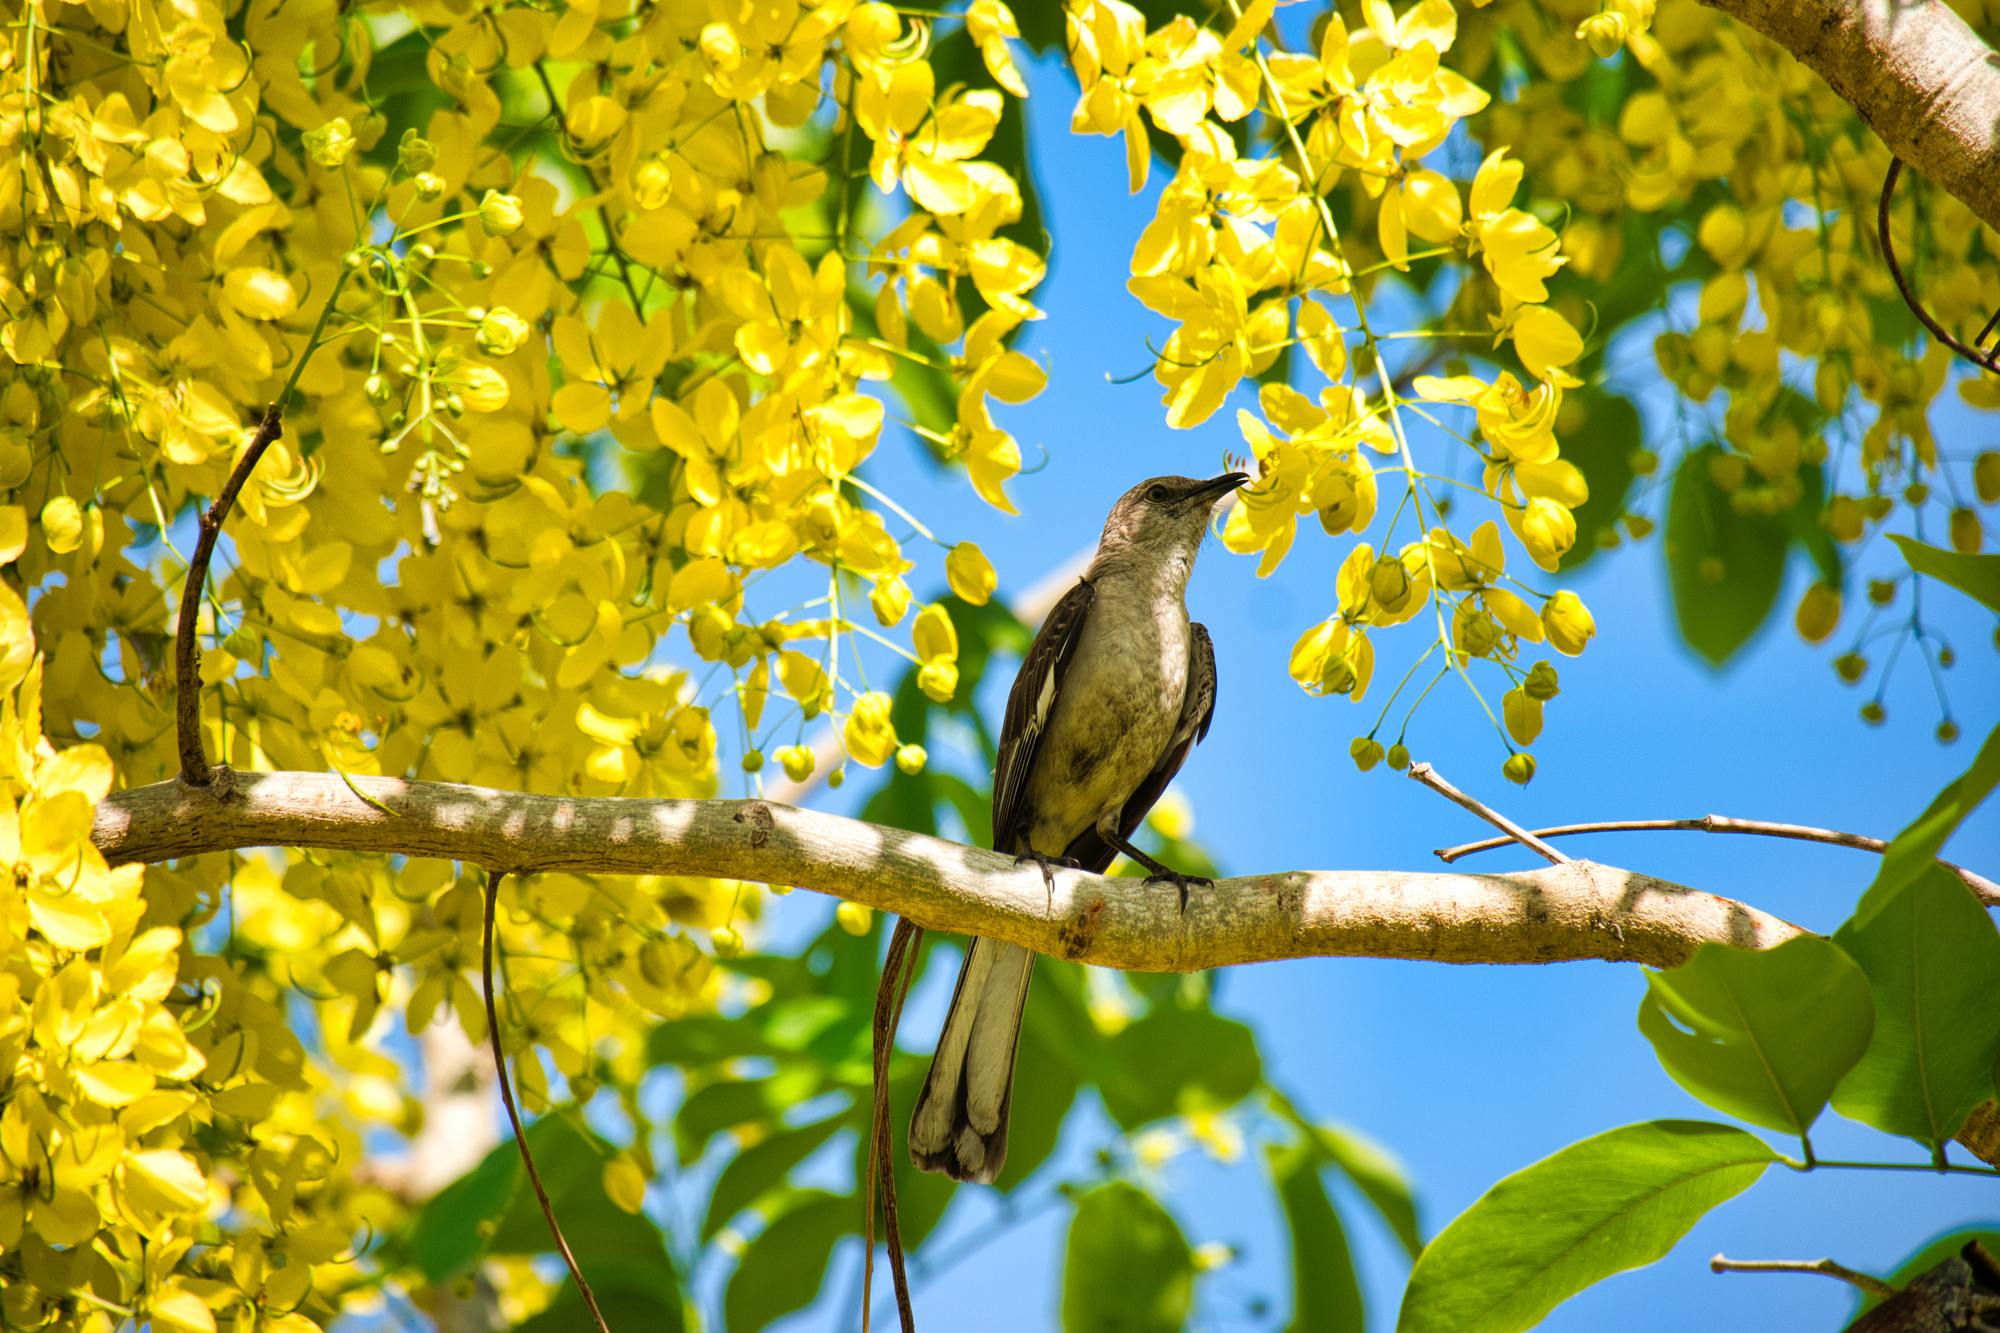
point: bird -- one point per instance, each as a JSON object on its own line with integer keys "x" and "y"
{"x": 1116, "y": 688}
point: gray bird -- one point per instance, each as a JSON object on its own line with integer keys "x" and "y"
{"x": 1115, "y": 690}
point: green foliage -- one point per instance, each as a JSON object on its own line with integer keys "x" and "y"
{"x": 491, "y": 1211}
{"x": 1916, "y": 847}
{"x": 1977, "y": 576}
{"x": 1616, "y": 1201}
{"x": 1325, "y": 1294}
{"x": 1726, "y": 564}
{"x": 1126, "y": 1266}
{"x": 781, "y": 1269}
{"x": 1933, "y": 962}
{"x": 1762, "y": 1034}
{"x": 1177, "y": 1060}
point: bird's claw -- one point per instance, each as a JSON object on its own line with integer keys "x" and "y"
{"x": 1182, "y": 883}
{"x": 1048, "y": 866}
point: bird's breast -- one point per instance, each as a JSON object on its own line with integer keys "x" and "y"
{"x": 1114, "y": 716}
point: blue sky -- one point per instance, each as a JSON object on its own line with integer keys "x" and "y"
{"x": 1467, "y": 1073}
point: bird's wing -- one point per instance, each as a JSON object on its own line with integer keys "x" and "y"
{"x": 1197, "y": 710}
{"x": 1029, "y": 705}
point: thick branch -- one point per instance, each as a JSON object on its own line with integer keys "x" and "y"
{"x": 1573, "y": 911}
{"x": 1915, "y": 71}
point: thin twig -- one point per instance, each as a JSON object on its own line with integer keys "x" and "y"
{"x": 187, "y": 654}
{"x": 513, "y": 1113}
{"x": 1987, "y": 891}
{"x": 1427, "y": 775}
{"x": 1874, "y": 1286}
{"x": 898, "y": 970}
{"x": 1983, "y": 360}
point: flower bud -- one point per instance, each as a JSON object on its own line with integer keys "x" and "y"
{"x": 1881, "y": 591}
{"x": 1541, "y": 682}
{"x": 1568, "y": 623}
{"x": 1399, "y": 756}
{"x": 1947, "y": 732}
{"x": 1519, "y": 769}
{"x": 62, "y": 524}
{"x": 330, "y": 144}
{"x": 970, "y": 573}
{"x": 1548, "y": 530}
{"x": 854, "y": 918}
{"x": 890, "y": 600}
{"x": 1986, "y": 476}
{"x": 429, "y": 185}
{"x": 910, "y": 759}
{"x": 797, "y": 761}
{"x": 415, "y": 154}
{"x": 1389, "y": 584}
{"x": 1818, "y": 613}
{"x": 1966, "y": 537}
{"x": 1873, "y": 713}
{"x": 1603, "y": 32}
{"x": 938, "y": 680}
{"x": 501, "y": 332}
{"x": 1474, "y": 631}
{"x": 753, "y": 761}
{"x": 1365, "y": 751}
{"x": 1850, "y": 667}
{"x": 1844, "y": 518}
{"x": 500, "y": 213}
{"x": 708, "y": 631}
{"x": 728, "y": 942}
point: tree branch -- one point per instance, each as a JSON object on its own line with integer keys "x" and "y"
{"x": 1573, "y": 911}
{"x": 1915, "y": 71}
{"x": 187, "y": 652}
{"x": 1985, "y": 889}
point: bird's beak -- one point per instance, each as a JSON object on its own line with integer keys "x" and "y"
{"x": 1222, "y": 485}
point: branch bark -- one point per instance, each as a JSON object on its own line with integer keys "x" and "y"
{"x": 1914, "y": 70}
{"x": 1573, "y": 911}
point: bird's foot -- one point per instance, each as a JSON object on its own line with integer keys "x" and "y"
{"x": 1182, "y": 883}
{"x": 1048, "y": 866}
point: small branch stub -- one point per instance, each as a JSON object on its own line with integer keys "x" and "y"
{"x": 187, "y": 652}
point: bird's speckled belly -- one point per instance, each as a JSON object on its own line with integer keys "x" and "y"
{"x": 1120, "y": 701}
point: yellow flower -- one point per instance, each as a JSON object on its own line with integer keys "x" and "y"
{"x": 1519, "y": 251}
{"x": 1569, "y": 623}
{"x": 868, "y": 734}
{"x": 970, "y": 573}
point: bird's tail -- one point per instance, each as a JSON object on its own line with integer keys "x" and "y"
{"x": 960, "y": 1124}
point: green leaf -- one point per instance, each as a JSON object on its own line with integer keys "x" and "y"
{"x": 1725, "y": 568}
{"x": 1762, "y": 1034}
{"x": 449, "y": 1232}
{"x": 1126, "y": 1267}
{"x": 1370, "y": 1166}
{"x": 1932, "y": 957}
{"x": 1325, "y": 1291}
{"x": 1616, "y": 1201}
{"x": 1977, "y": 576}
{"x": 1917, "y": 846}
{"x": 629, "y": 1296}
{"x": 761, "y": 1168}
{"x": 781, "y": 1269}
{"x": 718, "y": 1106}
{"x": 1602, "y": 445}
{"x": 1176, "y": 1060}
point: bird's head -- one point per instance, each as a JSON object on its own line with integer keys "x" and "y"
{"x": 1164, "y": 518}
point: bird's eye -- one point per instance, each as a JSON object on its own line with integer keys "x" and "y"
{"x": 1157, "y": 494}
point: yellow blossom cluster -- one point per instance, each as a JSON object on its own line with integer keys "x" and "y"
{"x": 582, "y": 320}
{"x": 1787, "y": 340}
{"x": 1244, "y": 255}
